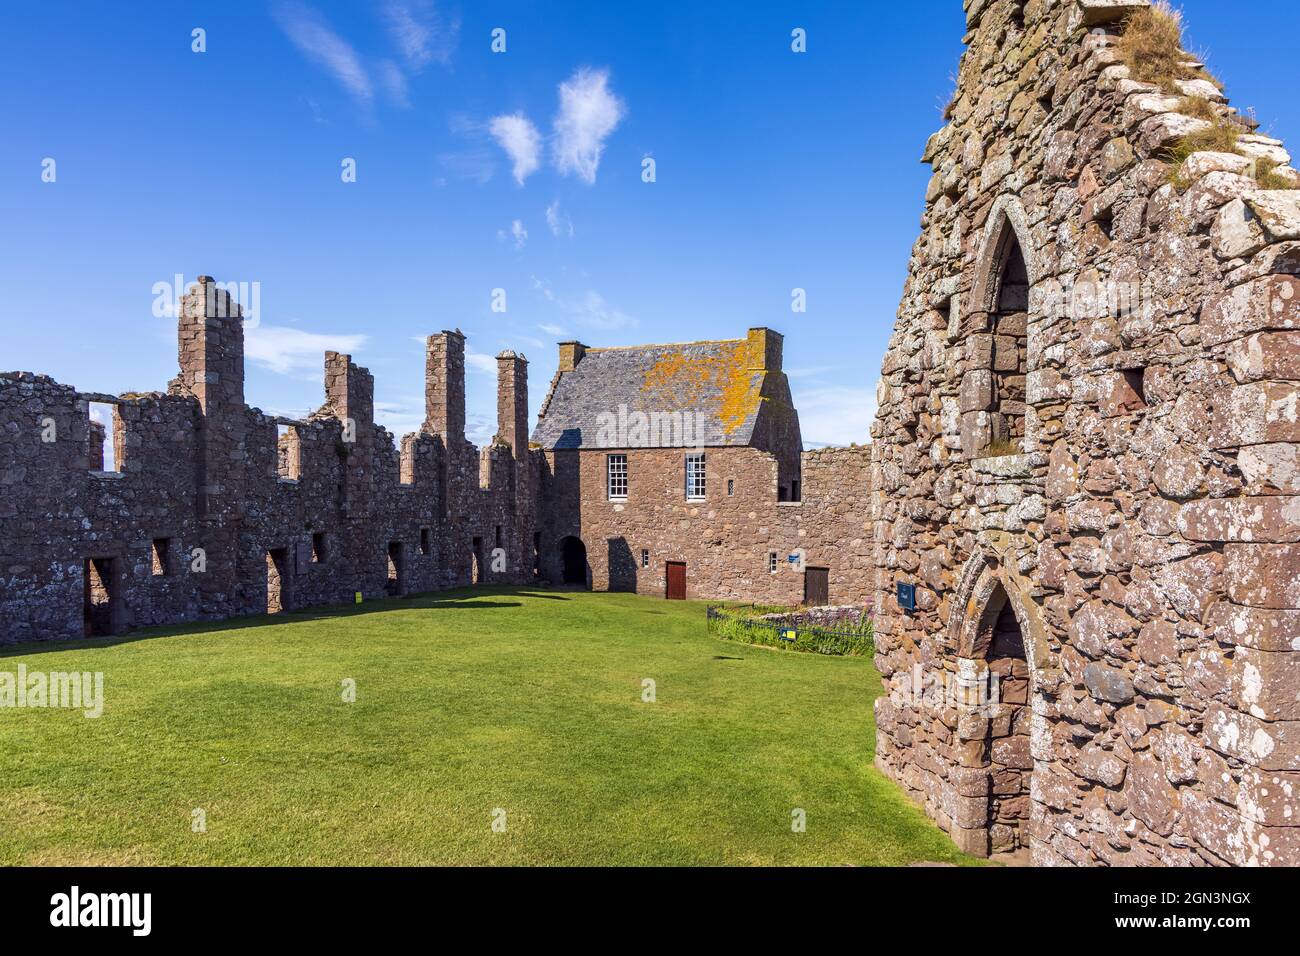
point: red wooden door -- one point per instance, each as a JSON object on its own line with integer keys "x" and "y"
{"x": 676, "y": 581}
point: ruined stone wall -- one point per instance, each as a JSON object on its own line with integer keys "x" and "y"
{"x": 211, "y": 512}
{"x": 727, "y": 539}
{"x": 1125, "y": 528}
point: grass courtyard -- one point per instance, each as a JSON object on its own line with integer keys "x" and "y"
{"x": 468, "y": 703}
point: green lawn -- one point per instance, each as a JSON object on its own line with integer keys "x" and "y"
{"x": 525, "y": 700}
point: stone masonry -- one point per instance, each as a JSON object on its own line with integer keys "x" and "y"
{"x": 216, "y": 510}
{"x": 1087, "y": 461}
{"x": 763, "y": 500}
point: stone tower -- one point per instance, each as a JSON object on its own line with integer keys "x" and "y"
{"x": 1087, "y": 457}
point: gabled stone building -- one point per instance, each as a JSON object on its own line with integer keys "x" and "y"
{"x": 1087, "y": 458}
{"x": 678, "y": 470}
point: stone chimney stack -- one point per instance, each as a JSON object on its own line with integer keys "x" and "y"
{"x": 444, "y": 387}
{"x": 571, "y": 354}
{"x": 210, "y": 340}
{"x": 764, "y": 350}
{"x": 512, "y": 402}
{"x": 350, "y": 393}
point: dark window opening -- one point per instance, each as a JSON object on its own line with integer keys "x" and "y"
{"x": 1009, "y": 352}
{"x": 1105, "y": 223}
{"x": 318, "y": 548}
{"x": 498, "y": 536}
{"x": 772, "y": 564}
{"x": 1135, "y": 378}
{"x": 396, "y": 582}
{"x": 537, "y": 553}
{"x": 100, "y": 597}
{"x": 781, "y": 493}
{"x": 794, "y": 490}
{"x": 160, "y": 549}
{"x": 476, "y": 570}
{"x": 731, "y": 487}
{"x": 426, "y": 542}
{"x": 645, "y": 557}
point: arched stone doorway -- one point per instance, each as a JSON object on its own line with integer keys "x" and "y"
{"x": 573, "y": 560}
{"x": 1000, "y": 648}
{"x": 997, "y": 650}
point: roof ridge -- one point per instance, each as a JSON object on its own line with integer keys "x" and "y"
{"x": 661, "y": 345}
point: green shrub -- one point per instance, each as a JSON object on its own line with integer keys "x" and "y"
{"x": 746, "y": 626}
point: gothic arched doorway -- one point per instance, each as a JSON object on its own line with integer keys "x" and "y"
{"x": 573, "y": 557}
{"x": 1000, "y": 647}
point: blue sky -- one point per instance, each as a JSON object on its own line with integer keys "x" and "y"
{"x": 775, "y": 170}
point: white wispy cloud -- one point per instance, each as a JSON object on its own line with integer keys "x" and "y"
{"x": 420, "y": 32}
{"x": 518, "y": 231}
{"x": 287, "y": 350}
{"x": 560, "y": 223}
{"x": 394, "y": 81}
{"x": 516, "y": 134}
{"x": 479, "y": 362}
{"x": 310, "y": 33}
{"x": 836, "y": 414}
{"x": 594, "y": 311}
{"x": 550, "y": 328}
{"x": 589, "y": 112}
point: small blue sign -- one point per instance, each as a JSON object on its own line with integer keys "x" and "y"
{"x": 907, "y": 596}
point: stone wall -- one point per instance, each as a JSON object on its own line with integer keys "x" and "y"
{"x": 1125, "y": 514}
{"x": 216, "y": 509}
{"x": 726, "y": 540}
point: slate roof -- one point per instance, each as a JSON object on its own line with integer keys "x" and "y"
{"x": 709, "y": 380}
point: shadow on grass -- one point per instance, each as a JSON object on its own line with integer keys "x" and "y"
{"x": 464, "y": 598}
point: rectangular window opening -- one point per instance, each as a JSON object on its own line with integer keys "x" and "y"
{"x": 318, "y": 555}
{"x": 695, "y": 477}
{"x": 426, "y": 542}
{"x": 288, "y": 452}
{"x": 106, "y": 437}
{"x": 160, "y": 549}
{"x": 616, "y": 477}
{"x": 772, "y": 562}
{"x": 645, "y": 557}
{"x": 498, "y": 537}
{"x": 731, "y": 487}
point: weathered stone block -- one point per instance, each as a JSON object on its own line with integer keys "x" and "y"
{"x": 1269, "y": 303}
{"x": 1271, "y": 519}
{"x": 1255, "y": 414}
{"x": 1263, "y": 575}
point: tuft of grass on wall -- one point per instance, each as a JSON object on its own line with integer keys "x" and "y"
{"x": 1152, "y": 48}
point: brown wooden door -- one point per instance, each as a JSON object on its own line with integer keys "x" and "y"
{"x": 676, "y": 581}
{"x": 816, "y": 587}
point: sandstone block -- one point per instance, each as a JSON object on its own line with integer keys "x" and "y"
{"x": 1266, "y": 355}
{"x": 1272, "y": 519}
{"x": 1268, "y": 303}
{"x": 1263, "y": 575}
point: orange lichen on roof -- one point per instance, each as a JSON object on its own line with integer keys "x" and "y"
{"x": 712, "y": 384}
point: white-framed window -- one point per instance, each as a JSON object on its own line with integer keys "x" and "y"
{"x": 645, "y": 557}
{"x": 695, "y": 476}
{"x": 616, "y": 476}
{"x": 771, "y": 562}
